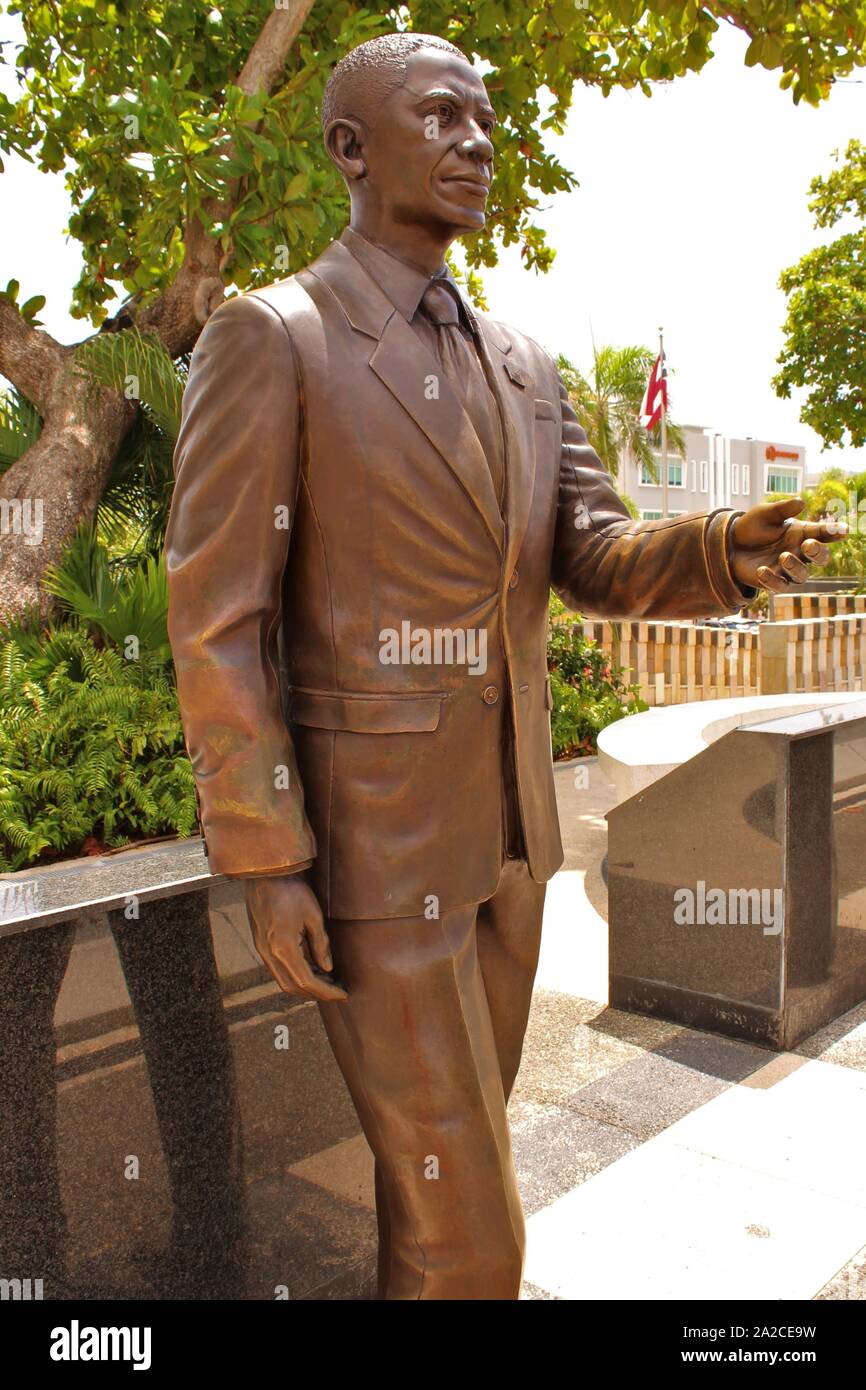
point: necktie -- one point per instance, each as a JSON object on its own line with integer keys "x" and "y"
{"x": 461, "y": 364}
{"x": 463, "y": 367}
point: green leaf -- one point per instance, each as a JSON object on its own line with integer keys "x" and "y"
{"x": 31, "y": 308}
{"x": 298, "y": 186}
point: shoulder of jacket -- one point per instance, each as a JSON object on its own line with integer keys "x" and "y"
{"x": 508, "y": 338}
{"x": 271, "y": 311}
{"x": 519, "y": 345}
{"x": 286, "y": 298}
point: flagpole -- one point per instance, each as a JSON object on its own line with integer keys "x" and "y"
{"x": 664, "y": 427}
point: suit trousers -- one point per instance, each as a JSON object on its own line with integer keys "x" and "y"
{"x": 429, "y": 1044}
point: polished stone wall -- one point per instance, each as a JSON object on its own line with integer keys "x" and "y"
{"x": 158, "y": 1093}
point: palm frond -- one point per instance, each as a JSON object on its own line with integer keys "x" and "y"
{"x": 118, "y": 602}
{"x": 137, "y": 364}
{"x": 20, "y": 426}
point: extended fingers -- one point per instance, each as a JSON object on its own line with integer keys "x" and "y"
{"x": 771, "y": 580}
{"x": 831, "y": 530}
{"x": 793, "y": 567}
{"x": 815, "y": 551}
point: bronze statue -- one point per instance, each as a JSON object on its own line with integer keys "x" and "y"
{"x": 396, "y": 482}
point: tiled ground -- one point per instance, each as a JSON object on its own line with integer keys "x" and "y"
{"x": 656, "y": 1161}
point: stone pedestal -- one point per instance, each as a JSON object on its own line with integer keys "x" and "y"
{"x": 738, "y": 881}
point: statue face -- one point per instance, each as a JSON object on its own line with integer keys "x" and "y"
{"x": 429, "y": 158}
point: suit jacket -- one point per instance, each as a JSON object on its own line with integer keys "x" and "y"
{"x": 329, "y": 482}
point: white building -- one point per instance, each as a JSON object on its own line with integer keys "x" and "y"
{"x": 715, "y": 471}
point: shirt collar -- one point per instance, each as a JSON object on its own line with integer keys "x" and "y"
{"x": 402, "y": 283}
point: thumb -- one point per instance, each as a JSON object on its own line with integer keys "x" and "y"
{"x": 782, "y": 511}
{"x": 319, "y": 944}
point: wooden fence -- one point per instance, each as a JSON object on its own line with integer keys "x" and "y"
{"x": 813, "y": 654}
{"x": 675, "y": 662}
{"x": 786, "y": 608}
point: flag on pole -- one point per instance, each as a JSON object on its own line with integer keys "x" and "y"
{"x": 656, "y": 395}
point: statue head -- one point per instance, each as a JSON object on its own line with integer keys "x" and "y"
{"x": 408, "y": 122}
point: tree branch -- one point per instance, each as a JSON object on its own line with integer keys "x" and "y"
{"x": 29, "y": 356}
{"x": 197, "y": 289}
{"x": 267, "y": 57}
{"x": 739, "y": 21}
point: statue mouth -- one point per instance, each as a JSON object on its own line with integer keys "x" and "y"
{"x": 467, "y": 181}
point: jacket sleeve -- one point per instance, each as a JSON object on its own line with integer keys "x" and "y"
{"x": 236, "y": 479}
{"x": 607, "y": 565}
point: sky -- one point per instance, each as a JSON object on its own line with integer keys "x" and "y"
{"x": 690, "y": 204}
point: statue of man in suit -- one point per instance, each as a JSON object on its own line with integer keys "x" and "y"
{"x": 395, "y": 482}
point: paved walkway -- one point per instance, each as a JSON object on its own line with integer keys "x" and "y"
{"x": 658, "y": 1162}
{"x": 655, "y": 1162}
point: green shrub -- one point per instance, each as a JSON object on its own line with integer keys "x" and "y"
{"x": 91, "y": 748}
{"x": 588, "y": 692}
{"x": 119, "y": 601}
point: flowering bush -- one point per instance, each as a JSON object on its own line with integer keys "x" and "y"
{"x": 588, "y": 692}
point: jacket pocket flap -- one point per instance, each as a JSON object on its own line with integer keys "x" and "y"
{"x": 546, "y": 410}
{"x": 366, "y": 714}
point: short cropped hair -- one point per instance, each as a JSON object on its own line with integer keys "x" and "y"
{"x": 371, "y": 72}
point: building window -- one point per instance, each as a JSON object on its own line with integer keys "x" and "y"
{"x": 735, "y": 478}
{"x": 782, "y": 480}
{"x": 645, "y": 477}
{"x": 746, "y": 481}
{"x": 694, "y": 475}
{"x": 705, "y": 475}
{"x": 676, "y": 471}
{"x": 651, "y": 516}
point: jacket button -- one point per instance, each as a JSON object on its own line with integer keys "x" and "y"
{"x": 513, "y": 581}
{"x": 490, "y": 695}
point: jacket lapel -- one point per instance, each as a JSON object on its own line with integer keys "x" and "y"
{"x": 513, "y": 388}
{"x": 404, "y": 364}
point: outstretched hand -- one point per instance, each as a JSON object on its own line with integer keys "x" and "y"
{"x": 770, "y": 549}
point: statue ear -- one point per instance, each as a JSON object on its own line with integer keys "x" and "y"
{"x": 344, "y": 141}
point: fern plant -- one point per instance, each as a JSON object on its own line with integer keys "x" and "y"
{"x": 91, "y": 748}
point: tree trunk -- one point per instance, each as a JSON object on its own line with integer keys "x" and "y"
{"x": 59, "y": 481}
{"x": 56, "y": 484}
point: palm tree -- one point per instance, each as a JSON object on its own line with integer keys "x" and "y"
{"x": 608, "y": 406}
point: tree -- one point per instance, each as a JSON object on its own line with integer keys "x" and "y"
{"x": 825, "y": 327}
{"x": 834, "y": 495}
{"x": 188, "y": 133}
{"x": 608, "y": 406}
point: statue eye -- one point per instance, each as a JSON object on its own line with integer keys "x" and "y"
{"x": 444, "y": 113}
